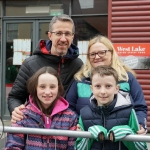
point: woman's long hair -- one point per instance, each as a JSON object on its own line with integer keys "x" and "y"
{"x": 116, "y": 63}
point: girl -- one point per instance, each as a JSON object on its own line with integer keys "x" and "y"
{"x": 45, "y": 109}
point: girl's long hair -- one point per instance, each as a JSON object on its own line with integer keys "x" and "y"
{"x": 32, "y": 88}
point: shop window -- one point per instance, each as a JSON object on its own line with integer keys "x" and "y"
{"x": 0, "y": 7}
{"x": 89, "y": 6}
{"x": 12, "y": 32}
{"x": 36, "y": 7}
{"x": 87, "y": 27}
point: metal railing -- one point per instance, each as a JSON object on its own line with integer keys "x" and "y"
{"x": 82, "y": 134}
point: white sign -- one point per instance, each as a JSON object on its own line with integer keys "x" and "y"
{"x": 86, "y": 4}
{"x": 131, "y": 61}
{"x": 22, "y": 50}
{"x": 83, "y": 47}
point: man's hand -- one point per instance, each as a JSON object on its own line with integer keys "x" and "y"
{"x": 17, "y": 115}
{"x": 141, "y": 131}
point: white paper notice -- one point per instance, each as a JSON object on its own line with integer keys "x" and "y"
{"x": 17, "y": 58}
{"x": 22, "y": 50}
{"x": 83, "y": 46}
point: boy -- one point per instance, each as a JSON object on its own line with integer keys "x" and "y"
{"x": 109, "y": 115}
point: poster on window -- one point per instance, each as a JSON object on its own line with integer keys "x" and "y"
{"x": 83, "y": 46}
{"x": 134, "y": 55}
{"x": 21, "y": 50}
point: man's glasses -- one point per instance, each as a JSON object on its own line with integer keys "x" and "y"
{"x": 60, "y": 34}
{"x": 101, "y": 53}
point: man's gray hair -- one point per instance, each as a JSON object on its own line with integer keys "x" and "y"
{"x": 62, "y": 17}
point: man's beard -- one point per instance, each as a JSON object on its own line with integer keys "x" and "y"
{"x": 60, "y": 52}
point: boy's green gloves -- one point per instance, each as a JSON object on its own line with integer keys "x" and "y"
{"x": 119, "y": 132}
{"x": 99, "y": 133}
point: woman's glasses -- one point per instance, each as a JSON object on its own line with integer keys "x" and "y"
{"x": 101, "y": 53}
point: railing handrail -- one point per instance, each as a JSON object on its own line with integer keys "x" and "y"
{"x": 69, "y": 133}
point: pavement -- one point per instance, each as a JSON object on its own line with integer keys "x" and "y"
{"x": 3, "y": 139}
{"x": 7, "y": 123}
{"x": 2, "y": 143}
{"x": 148, "y": 145}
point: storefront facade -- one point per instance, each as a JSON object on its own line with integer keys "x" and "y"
{"x": 129, "y": 30}
{"x": 29, "y": 19}
{"x": 124, "y": 22}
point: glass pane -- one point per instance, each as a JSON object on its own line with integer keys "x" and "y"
{"x": 89, "y": 6}
{"x": 43, "y": 32}
{"x": 37, "y": 8}
{"x": 14, "y": 31}
{"x": 0, "y": 7}
{"x": 88, "y": 27}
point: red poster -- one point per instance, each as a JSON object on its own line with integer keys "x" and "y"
{"x": 135, "y": 49}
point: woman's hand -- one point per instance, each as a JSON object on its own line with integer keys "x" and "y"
{"x": 17, "y": 115}
{"x": 141, "y": 131}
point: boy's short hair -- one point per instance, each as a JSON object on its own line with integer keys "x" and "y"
{"x": 105, "y": 71}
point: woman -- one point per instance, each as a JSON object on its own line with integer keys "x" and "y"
{"x": 46, "y": 109}
{"x": 101, "y": 52}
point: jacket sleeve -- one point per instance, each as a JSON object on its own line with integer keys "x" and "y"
{"x": 138, "y": 100}
{"x": 83, "y": 143}
{"x": 134, "y": 125}
{"x": 15, "y": 141}
{"x": 18, "y": 94}
{"x": 132, "y": 128}
{"x": 73, "y": 127}
{"x": 72, "y": 96}
{"x": 122, "y": 131}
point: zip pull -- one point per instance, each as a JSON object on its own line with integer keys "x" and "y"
{"x": 47, "y": 120}
{"x": 48, "y": 143}
{"x": 59, "y": 68}
{"x": 62, "y": 61}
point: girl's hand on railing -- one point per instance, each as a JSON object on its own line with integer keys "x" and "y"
{"x": 78, "y": 127}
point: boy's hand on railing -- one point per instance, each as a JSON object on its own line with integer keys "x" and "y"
{"x": 118, "y": 132}
{"x": 98, "y": 132}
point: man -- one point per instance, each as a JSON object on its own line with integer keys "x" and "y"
{"x": 57, "y": 52}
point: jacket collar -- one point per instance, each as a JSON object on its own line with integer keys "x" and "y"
{"x": 119, "y": 102}
{"x": 44, "y": 47}
{"x": 35, "y": 113}
{"x": 102, "y": 109}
